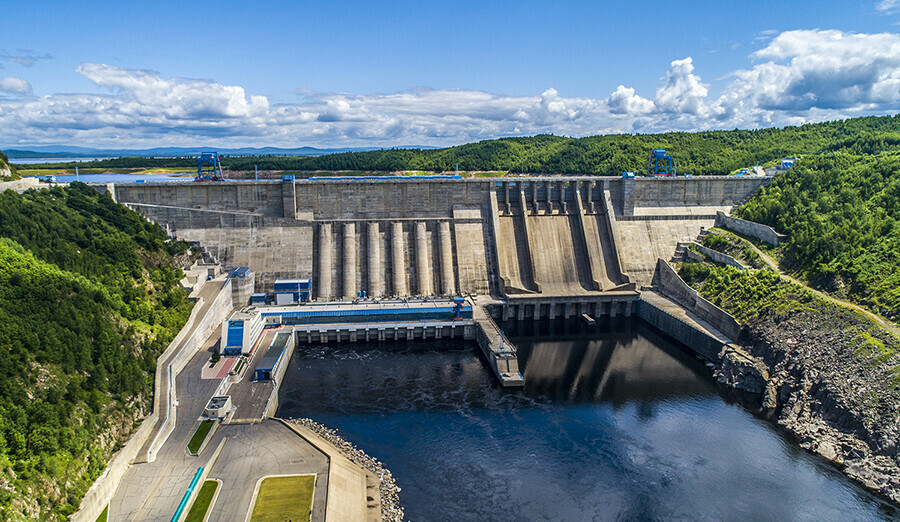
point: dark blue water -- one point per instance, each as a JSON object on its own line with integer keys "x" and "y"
{"x": 616, "y": 424}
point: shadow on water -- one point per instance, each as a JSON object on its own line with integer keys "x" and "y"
{"x": 615, "y": 422}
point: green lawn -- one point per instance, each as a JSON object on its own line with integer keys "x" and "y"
{"x": 199, "y": 436}
{"x": 105, "y": 515}
{"x": 284, "y": 498}
{"x": 202, "y": 502}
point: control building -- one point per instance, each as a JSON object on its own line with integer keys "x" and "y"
{"x": 241, "y": 332}
{"x": 289, "y": 291}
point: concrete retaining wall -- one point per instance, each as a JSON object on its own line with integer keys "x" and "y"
{"x": 19, "y": 185}
{"x": 219, "y": 310}
{"x": 690, "y": 255}
{"x": 749, "y": 228}
{"x": 704, "y": 344}
{"x": 671, "y": 285}
{"x": 103, "y": 489}
{"x": 719, "y": 257}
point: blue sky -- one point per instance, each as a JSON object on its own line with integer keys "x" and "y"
{"x": 116, "y": 74}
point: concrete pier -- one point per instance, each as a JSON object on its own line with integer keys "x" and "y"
{"x": 398, "y": 259}
{"x": 498, "y": 350}
{"x": 350, "y": 254}
{"x": 418, "y": 320}
{"x": 326, "y": 253}
{"x": 424, "y": 275}
{"x": 376, "y": 271}
{"x": 448, "y": 283}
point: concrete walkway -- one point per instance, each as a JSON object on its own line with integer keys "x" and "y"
{"x": 881, "y": 321}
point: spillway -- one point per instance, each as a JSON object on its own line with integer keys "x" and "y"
{"x": 512, "y": 238}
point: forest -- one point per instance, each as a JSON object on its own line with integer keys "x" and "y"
{"x": 697, "y": 153}
{"x": 841, "y": 214}
{"x": 89, "y": 297}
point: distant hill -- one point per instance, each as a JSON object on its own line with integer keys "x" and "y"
{"x": 697, "y": 153}
{"x": 58, "y": 151}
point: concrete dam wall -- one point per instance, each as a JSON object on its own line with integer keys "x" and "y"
{"x": 508, "y": 237}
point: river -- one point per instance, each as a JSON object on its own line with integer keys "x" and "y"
{"x": 615, "y": 423}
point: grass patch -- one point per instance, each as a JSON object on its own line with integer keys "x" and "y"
{"x": 200, "y": 436}
{"x": 105, "y": 515}
{"x": 203, "y": 501}
{"x": 284, "y": 498}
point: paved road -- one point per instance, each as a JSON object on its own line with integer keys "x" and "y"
{"x": 207, "y": 295}
{"x": 152, "y": 491}
{"x": 254, "y": 451}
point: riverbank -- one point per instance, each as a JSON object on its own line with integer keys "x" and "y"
{"x": 827, "y": 388}
{"x": 830, "y": 375}
{"x": 391, "y": 511}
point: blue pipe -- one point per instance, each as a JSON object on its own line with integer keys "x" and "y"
{"x": 187, "y": 495}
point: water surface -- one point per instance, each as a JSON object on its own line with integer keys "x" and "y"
{"x": 616, "y": 423}
{"x": 122, "y": 178}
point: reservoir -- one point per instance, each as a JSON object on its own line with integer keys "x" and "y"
{"x": 614, "y": 422}
{"x": 124, "y": 178}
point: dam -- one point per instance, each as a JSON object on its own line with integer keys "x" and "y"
{"x": 539, "y": 246}
{"x": 518, "y": 247}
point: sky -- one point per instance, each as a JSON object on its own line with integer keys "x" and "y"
{"x": 382, "y": 74}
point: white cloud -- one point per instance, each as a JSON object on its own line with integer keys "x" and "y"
{"x": 887, "y": 5}
{"x": 683, "y": 93}
{"x": 625, "y": 101}
{"x": 13, "y": 85}
{"x": 797, "y": 77}
{"x": 828, "y": 70}
{"x": 23, "y": 57}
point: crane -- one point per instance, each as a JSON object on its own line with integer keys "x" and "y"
{"x": 661, "y": 164}
{"x": 208, "y": 167}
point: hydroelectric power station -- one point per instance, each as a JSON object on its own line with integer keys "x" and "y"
{"x": 334, "y": 260}
{"x": 516, "y": 247}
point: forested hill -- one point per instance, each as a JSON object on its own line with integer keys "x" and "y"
{"x": 88, "y": 300}
{"x": 712, "y": 152}
{"x": 841, "y": 213}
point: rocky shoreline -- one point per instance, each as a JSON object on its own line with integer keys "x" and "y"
{"x": 391, "y": 511}
{"x": 830, "y": 378}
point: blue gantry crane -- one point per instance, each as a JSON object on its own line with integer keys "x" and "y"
{"x": 661, "y": 164}
{"x": 208, "y": 167}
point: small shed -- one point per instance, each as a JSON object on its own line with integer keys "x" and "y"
{"x": 267, "y": 366}
{"x": 218, "y": 407}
